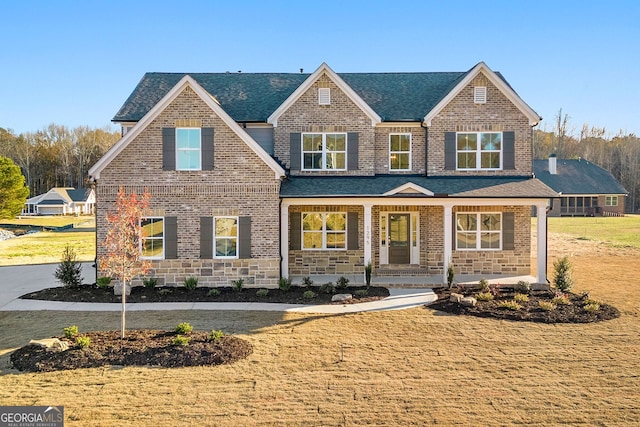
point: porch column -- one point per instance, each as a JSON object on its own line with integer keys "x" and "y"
{"x": 448, "y": 239}
{"x": 541, "y": 215}
{"x": 367, "y": 233}
{"x": 284, "y": 240}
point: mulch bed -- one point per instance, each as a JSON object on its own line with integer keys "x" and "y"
{"x": 139, "y": 294}
{"x": 530, "y": 311}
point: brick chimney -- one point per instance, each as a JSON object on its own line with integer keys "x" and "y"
{"x": 553, "y": 165}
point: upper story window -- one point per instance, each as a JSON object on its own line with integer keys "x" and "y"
{"x": 478, "y": 231}
{"x": 152, "y": 241}
{"x": 188, "y": 149}
{"x": 324, "y": 230}
{"x": 400, "y": 152}
{"x": 479, "y": 150}
{"x": 324, "y": 151}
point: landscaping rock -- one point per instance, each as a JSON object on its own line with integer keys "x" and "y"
{"x": 341, "y": 297}
{"x": 468, "y": 301}
{"x": 117, "y": 289}
{"x": 6, "y": 235}
{"x": 455, "y": 297}
{"x": 51, "y": 344}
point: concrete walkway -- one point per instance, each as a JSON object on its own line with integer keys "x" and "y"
{"x": 19, "y": 280}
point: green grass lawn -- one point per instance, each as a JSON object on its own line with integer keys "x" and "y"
{"x": 47, "y": 247}
{"x": 618, "y": 231}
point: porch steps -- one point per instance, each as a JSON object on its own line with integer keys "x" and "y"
{"x": 400, "y": 270}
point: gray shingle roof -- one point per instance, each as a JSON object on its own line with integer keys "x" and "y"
{"x": 78, "y": 194}
{"x": 491, "y": 187}
{"x": 252, "y": 97}
{"x": 577, "y": 177}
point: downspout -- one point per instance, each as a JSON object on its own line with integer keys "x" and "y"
{"x": 426, "y": 148}
{"x": 95, "y": 214}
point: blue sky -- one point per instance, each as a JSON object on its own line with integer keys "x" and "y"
{"x": 75, "y": 62}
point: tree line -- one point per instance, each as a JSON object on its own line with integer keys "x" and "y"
{"x": 619, "y": 154}
{"x": 56, "y": 156}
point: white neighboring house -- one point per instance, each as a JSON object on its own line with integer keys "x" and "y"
{"x": 62, "y": 201}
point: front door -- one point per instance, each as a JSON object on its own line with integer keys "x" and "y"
{"x": 399, "y": 247}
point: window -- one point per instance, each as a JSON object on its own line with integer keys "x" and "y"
{"x": 324, "y": 151}
{"x": 477, "y": 231}
{"x": 152, "y": 241}
{"x": 225, "y": 239}
{"x": 479, "y": 150}
{"x": 324, "y": 230}
{"x": 611, "y": 201}
{"x": 400, "y": 152}
{"x": 480, "y": 94}
{"x": 188, "y": 147}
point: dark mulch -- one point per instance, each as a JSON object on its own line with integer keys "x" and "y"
{"x": 530, "y": 311}
{"x": 92, "y": 293}
{"x": 139, "y": 347}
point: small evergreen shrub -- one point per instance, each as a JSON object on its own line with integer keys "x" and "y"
{"x": 484, "y": 285}
{"x": 83, "y": 342}
{"x": 522, "y": 287}
{"x": 591, "y": 307}
{"x": 190, "y": 283}
{"x": 237, "y": 285}
{"x": 510, "y": 305}
{"x": 306, "y": 281}
{"x": 180, "y": 341}
{"x": 103, "y": 282}
{"x": 69, "y": 271}
{"x": 165, "y": 291}
{"x": 361, "y": 293}
{"x": 215, "y": 335}
{"x": 183, "y": 328}
{"x": 484, "y": 296}
{"x": 328, "y": 288}
{"x": 450, "y": 274}
{"x": 589, "y": 300}
{"x": 309, "y": 295}
{"x": 546, "y": 305}
{"x": 262, "y": 293}
{"x": 342, "y": 283}
{"x": 561, "y": 299}
{"x": 521, "y": 298}
{"x": 368, "y": 270}
{"x": 71, "y": 332}
{"x": 214, "y": 292}
{"x": 284, "y": 284}
{"x": 563, "y": 274}
{"x": 150, "y": 282}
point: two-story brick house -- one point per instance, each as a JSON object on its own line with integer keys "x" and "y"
{"x": 262, "y": 176}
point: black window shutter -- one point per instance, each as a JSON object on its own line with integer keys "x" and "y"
{"x": 353, "y": 236}
{"x": 352, "y": 151}
{"x": 206, "y": 237}
{"x": 508, "y": 150}
{"x": 295, "y": 150}
{"x": 450, "y": 151}
{"x": 168, "y": 149}
{"x": 244, "y": 237}
{"x": 508, "y": 231}
{"x": 170, "y": 237}
{"x": 295, "y": 230}
{"x": 207, "y": 149}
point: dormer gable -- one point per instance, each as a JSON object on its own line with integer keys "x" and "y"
{"x": 408, "y": 189}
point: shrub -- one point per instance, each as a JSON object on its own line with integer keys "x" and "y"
{"x": 83, "y": 342}
{"x": 450, "y": 274}
{"x": 284, "y": 284}
{"x": 495, "y": 289}
{"x": 328, "y": 288}
{"x": 103, "y": 282}
{"x": 589, "y": 300}
{"x": 237, "y": 284}
{"x": 591, "y": 307}
{"x": 190, "y": 283}
{"x": 546, "y": 305}
{"x": 522, "y": 287}
{"x": 184, "y": 328}
{"x": 368, "y": 269}
{"x": 521, "y": 298}
{"x": 69, "y": 271}
{"x": 563, "y": 275}
{"x": 150, "y": 282}
{"x": 215, "y": 335}
{"x": 361, "y": 293}
{"x": 165, "y": 291}
{"x": 214, "y": 292}
{"x": 71, "y": 331}
{"x": 510, "y": 305}
{"x": 180, "y": 340}
{"x": 306, "y": 281}
{"x": 262, "y": 292}
{"x": 342, "y": 283}
{"x": 484, "y": 296}
{"x": 484, "y": 285}
{"x": 561, "y": 299}
{"x": 309, "y": 295}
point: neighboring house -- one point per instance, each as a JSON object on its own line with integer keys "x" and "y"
{"x": 262, "y": 176}
{"x": 62, "y": 201}
{"x": 585, "y": 189}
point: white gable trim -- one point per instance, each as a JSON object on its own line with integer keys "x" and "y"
{"x": 533, "y": 117}
{"x": 324, "y": 68}
{"x": 186, "y": 81}
{"x": 409, "y": 188}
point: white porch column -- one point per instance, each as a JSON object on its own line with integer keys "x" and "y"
{"x": 284, "y": 239}
{"x": 367, "y": 233}
{"x": 541, "y": 215}
{"x": 448, "y": 239}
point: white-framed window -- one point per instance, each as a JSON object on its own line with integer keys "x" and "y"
{"x": 479, "y": 150}
{"x": 478, "y": 231}
{"x": 324, "y": 151}
{"x": 400, "y": 151}
{"x": 188, "y": 149}
{"x": 152, "y": 241}
{"x": 480, "y": 94}
{"x": 324, "y": 231}
{"x": 225, "y": 237}
{"x": 611, "y": 201}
